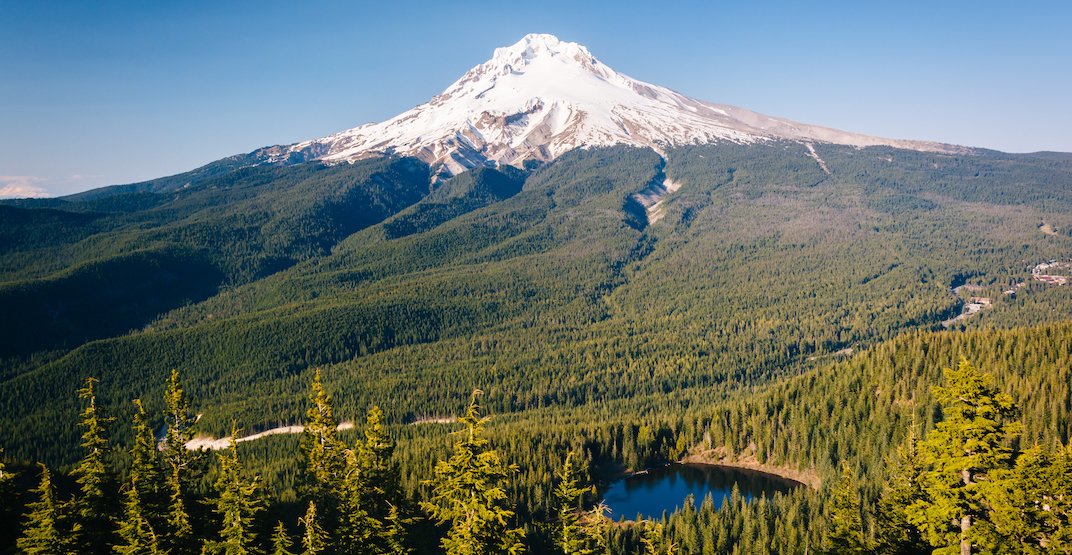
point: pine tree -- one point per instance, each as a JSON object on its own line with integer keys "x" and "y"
{"x": 368, "y": 487}
{"x": 179, "y": 463}
{"x": 846, "y": 536}
{"x": 573, "y": 533}
{"x": 358, "y": 530}
{"x": 314, "y": 540}
{"x": 44, "y": 533}
{"x": 236, "y": 504}
{"x": 395, "y": 534}
{"x": 281, "y": 543}
{"x": 145, "y": 469}
{"x": 896, "y": 535}
{"x": 653, "y": 541}
{"x": 467, "y": 494}
{"x": 324, "y": 452}
{"x": 966, "y": 447}
{"x": 1033, "y": 505}
{"x": 380, "y": 474}
{"x": 91, "y": 474}
{"x": 135, "y": 532}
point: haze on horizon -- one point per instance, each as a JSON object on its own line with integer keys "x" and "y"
{"x": 94, "y": 95}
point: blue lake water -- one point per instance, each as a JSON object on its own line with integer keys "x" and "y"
{"x": 665, "y": 489}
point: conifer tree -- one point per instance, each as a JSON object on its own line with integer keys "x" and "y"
{"x": 653, "y": 542}
{"x": 1033, "y": 505}
{"x": 91, "y": 531}
{"x": 467, "y": 494}
{"x": 236, "y": 504}
{"x": 43, "y": 533}
{"x": 395, "y": 534}
{"x": 179, "y": 465}
{"x": 314, "y": 540}
{"x": 324, "y": 452}
{"x": 281, "y": 542}
{"x": 964, "y": 449}
{"x": 358, "y": 530}
{"x": 145, "y": 469}
{"x": 136, "y": 534}
{"x": 375, "y": 460}
{"x": 896, "y": 535}
{"x": 574, "y": 533}
{"x": 846, "y": 536}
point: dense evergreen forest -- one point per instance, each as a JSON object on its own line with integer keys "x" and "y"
{"x": 780, "y": 315}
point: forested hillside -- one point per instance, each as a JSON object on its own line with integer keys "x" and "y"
{"x": 784, "y": 312}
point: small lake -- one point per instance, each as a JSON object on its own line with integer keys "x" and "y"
{"x": 665, "y": 488}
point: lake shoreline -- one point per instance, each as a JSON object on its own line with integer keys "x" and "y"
{"x": 720, "y": 457}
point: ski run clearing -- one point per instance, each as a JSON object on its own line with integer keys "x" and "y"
{"x": 215, "y": 444}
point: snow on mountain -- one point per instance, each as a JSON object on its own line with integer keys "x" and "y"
{"x": 542, "y": 97}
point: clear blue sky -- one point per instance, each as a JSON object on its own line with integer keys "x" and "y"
{"x": 96, "y": 93}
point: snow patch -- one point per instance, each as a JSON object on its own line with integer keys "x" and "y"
{"x": 542, "y": 97}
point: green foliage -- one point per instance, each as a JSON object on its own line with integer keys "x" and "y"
{"x": 1032, "y": 504}
{"x": 896, "y": 535}
{"x": 577, "y": 531}
{"x": 324, "y": 453}
{"x": 967, "y": 449}
{"x": 136, "y": 535}
{"x": 846, "y": 534}
{"x": 44, "y": 533}
{"x": 281, "y": 542}
{"x": 467, "y": 494}
{"x": 91, "y": 504}
{"x": 236, "y": 505}
{"x": 179, "y": 463}
{"x": 722, "y": 331}
{"x": 146, "y": 472}
{"x": 314, "y": 539}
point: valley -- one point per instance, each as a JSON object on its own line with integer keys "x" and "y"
{"x": 567, "y": 276}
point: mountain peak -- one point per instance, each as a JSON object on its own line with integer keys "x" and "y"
{"x": 541, "y": 97}
{"x": 538, "y": 44}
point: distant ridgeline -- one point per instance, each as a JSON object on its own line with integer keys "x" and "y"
{"x": 713, "y": 329}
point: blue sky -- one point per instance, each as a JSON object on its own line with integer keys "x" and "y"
{"x": 96, "y": 93}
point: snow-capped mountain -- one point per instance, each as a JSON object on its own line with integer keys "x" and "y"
{"x": 542, "y": 97}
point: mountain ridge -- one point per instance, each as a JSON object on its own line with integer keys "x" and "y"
{"x": 541, "y": 97}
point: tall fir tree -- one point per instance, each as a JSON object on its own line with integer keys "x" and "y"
{"x": 314, "y": 539}
{"x": 1033, "y": 504}
{"x": 145, "y": 469}
{"x": 468, "y": 494}
{"x": 44, "y": 532}
{"x": 236, "y": 505}
{"x": 896, "y": 535}
{"x": 576, "y": 531}
{"x": 136, "y": 534}
{"x": 375, "y": 458}
{"x": 281, "y": 542}
{"x": 179, "y": 466}
{"x": 846, "y": 535}
{"x": 966, "y": 448}
{"x": 395, "y": 533}
{"x": 358, "y": 530}
{"x": 91, "y": 473}
{"x": 324, "y": 453}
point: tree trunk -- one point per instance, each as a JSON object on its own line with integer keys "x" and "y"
{"x": 965, "y": 521}
{"x": 965, "y": 544}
